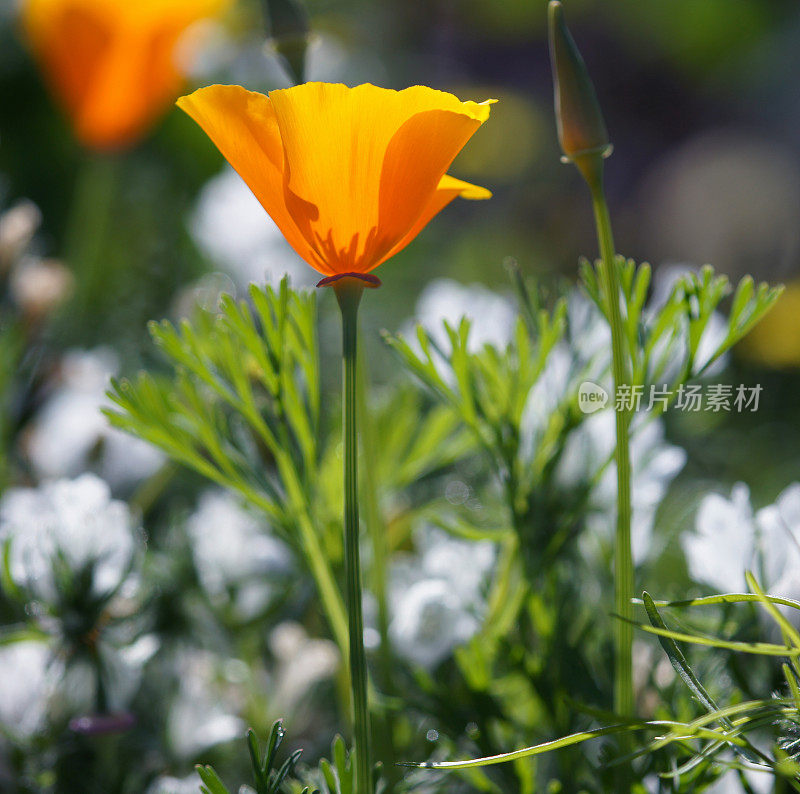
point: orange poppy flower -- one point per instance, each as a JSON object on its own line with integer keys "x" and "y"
{"x": 349, "y": 175}
{"x": 112, "y": 63}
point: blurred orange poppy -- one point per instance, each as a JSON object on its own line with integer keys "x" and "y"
{"x": 112, "y": 63}
{"x": 349, "y": 175}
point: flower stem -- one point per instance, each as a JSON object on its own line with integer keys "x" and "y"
{"x": 348, "y": 293}
{"x": 89, "y": 225}
{"x": 592, "y": 170}
{"x": 375, "y": 527}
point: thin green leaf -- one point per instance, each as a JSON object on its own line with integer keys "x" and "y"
{"x": 213, "y": 784}
{"x": 725, "y": 598}
{"x": 676, "y": 657}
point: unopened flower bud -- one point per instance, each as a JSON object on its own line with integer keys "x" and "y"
{"x": 581, "y": 129}
{"x": 289, "y": 29}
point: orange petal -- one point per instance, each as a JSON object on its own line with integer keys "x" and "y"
{"x": 448, "y": 189}
{"x": 368, "y": 160}
{"x": 243, "y": 127}
{"x": 112, "y": 64}
{"x": 70, "y": 42}
{"x": 136, "y": 80}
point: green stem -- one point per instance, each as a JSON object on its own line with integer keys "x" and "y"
{"x": 148, "y": 493}
{"x": 375, "y": 525}
{"x": 376, "y": 529}
{"x": 348, "y": 293}
{"x": 623, "y": 572}
{"x": 88, "y": 227}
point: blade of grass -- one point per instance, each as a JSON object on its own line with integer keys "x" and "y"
{"x": 724, "y": 598}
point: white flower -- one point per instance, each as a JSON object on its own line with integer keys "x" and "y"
{"x": 233, "y": 550}
{"x": 437, "y": 596}
{"x": 70, "y": 430}
{"x": 779, "y": 542}
{"x": 302, "y": 663}
{"x": 589, "y": 335}
{"x": 654, "y": 464}
{"x": 544, "y": 400}
{"x": 28, "y": 676}
{"x": 760, "y": 782}
{"x": 714, "y": 334}
{"x": 232, "y": 228}
{"x": 730, "y": 538}
{"x": 585, "y": 355}
{"x": 464, "y": 564}
{"x": 205, "y": 710}
{"x": 39, "y": 285}
{"x": 722, "y": 547}
{"x": 430, "y": 620}
{"x": 123, "y": 669}
{"x": 492, "y": 316}
{"x": 174, "y": 785}
{"x": 76, "y": 520}
{"x": 18, "y": 224}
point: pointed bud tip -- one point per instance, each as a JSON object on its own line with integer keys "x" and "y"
{"x": 581, "y": 128}
{"x": 555, "y": 22}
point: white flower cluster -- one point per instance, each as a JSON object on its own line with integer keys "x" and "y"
{"x": 301, "y": 663}
{"x": 174, "y": 785}
{"x": 730, "y": 538}
{"x": 235, "y": 555}
{"x": 36, "y": 285}
{"x": 213, "y": 690}
{"x": 67, "y": 526}
{"x": 437, "y": 595}
{"x": 235, "y": 232}
{"x": 654, "y": 464}
{"x": 70, "y": 431}
{"x": 28, "y": 678}
{"x": 492, "y": 316}
{"x": 204, "y": 711}
{"x": 587, "y": 355}
{"x": 713, "y": 335}
{"x": 584, "y": 356}
{"x": 76, "y": 521}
